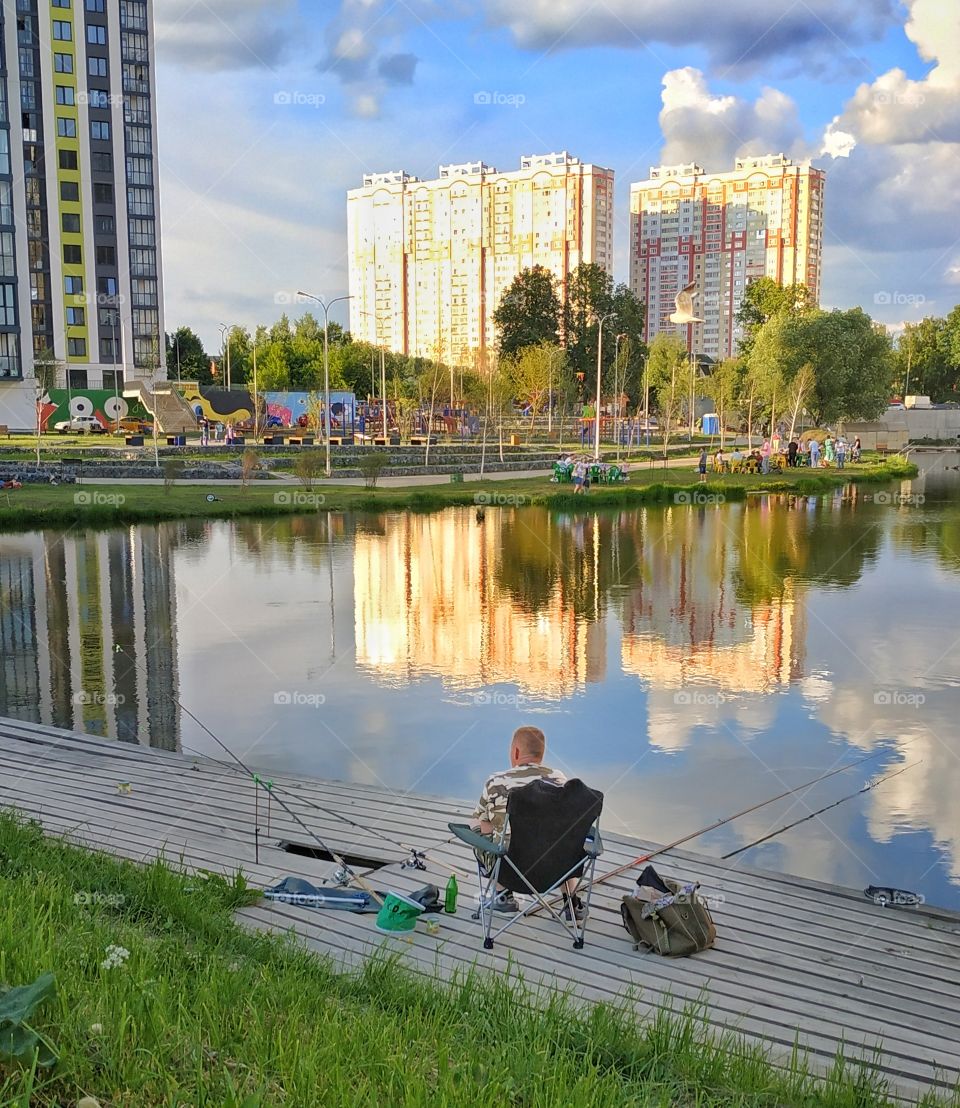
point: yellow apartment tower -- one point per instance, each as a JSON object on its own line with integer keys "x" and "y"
{"x": 430, "y": 260}
{"x": 722, "y": 231}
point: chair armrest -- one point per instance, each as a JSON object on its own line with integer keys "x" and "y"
{"x": 593, "y": 846}
{"x": 466, "y": 834}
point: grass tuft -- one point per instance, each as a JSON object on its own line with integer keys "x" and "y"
{"x": 205, "y": 1013}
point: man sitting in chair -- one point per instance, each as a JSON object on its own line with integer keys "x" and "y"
{"x": 527, "y": 749}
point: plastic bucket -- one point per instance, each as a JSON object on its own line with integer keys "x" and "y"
{"x": 399, "y": 914}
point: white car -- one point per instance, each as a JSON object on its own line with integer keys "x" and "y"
{"x": 80, "y": 423}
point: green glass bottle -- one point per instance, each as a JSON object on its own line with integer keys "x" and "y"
{"x": 450, "y": 896}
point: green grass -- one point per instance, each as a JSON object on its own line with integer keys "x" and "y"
{"x": 203, "y": 1013}
{"x": 123, "y": 503}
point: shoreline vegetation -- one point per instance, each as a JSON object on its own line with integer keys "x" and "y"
{"x": 161, "y": 998}
{"x": 119, "y": 503}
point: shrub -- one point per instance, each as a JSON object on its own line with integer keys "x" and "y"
{"x": 371, "y": 466}
{"x": 308, "y": 467}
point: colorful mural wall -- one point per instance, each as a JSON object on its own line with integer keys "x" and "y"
{"x": 292, "y": 409}
{"x": 219, "y": 405}
{"x": 103, "y": 404}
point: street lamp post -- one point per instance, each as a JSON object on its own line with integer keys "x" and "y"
{"x": 596, "y": 430}
{"x": 326, "y": 306}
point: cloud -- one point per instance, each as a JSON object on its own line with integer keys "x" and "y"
{"x": 398, "y": 69}
{"x": 225, "y": 34}
{"x": 712, "y": 130}
{"x": 737, "y": 35}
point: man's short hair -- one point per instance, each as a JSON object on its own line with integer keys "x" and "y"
{"x": 530, "y": 741}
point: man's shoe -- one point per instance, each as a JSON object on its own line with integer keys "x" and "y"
{"x": 579, "y": 909}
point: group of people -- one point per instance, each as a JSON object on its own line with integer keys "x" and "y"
{"x": 578, "y": 469}
{"x": 221, "y": 432}
{"x": 805, "y": 452}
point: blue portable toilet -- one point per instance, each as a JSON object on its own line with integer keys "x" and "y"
{"x": 711, "y": 424}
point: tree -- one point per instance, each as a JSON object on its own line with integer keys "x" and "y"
{"x": 851, "y": 359}
{"x": 529, "y": 311}
{"x": 723, "y": 386}
{"x": 184, "y": 345}
{"x": 667, "y": 366}
{"x": 47, "y": 372}
{"x": 589, "y": 296}
{"x": 797, "y": 392}
{"x": 762, "y": 300}
{"x": 926, "y": 362}
{"x": 534, "y": 370}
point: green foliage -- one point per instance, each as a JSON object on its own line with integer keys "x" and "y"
{"x": 371, "y": 466}
{"x": 668, "y": 369}
{"x": 18, "y": 1040}
{"x": 307, "y": 466}
{"x": 850, "y": 356}
{"x": 765, "y": 298}
{"x": 529, "y": 311}
{"x": 172, "y": 471}
{"x": 927, "y": 358}
{"x": 249, "y": 464}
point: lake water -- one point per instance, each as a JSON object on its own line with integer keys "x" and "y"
{"x": 688, "y": 660}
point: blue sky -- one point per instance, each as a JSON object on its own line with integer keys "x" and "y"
{"x": 269, "y": 110}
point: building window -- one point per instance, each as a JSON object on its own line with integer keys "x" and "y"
{"x": 4, "y": 151}
{"x": 94, "y": 5}
{"x": 75, "y": 317}
{"x": 6, "y": 202}
{"x": 109, "y": 349}
{"x": 101, "y": 161}
{"x": 97, "y": 67}
{"x": 140, "y": 201}
{"x": 96, "y": 35}
{"x": 77, "y": 378}
{"x": 66, "y": 127}
{"x": 76, "y": 348}
{"x": 98, "y": 98}
{"x": 68, "y": 159}
{"x": 104, "y": 225}
{"x": 72, "y": 255}
{"x": 65, "y": 94}
{"x": 7, "y": 258}
{"x": 70, "y": 223}
{"x": 106, "y": 255}
{"x": 69, "y": 190}
{"x": 100, "y": 130}
{"x": 62, "y": 30}
{"x": 61, "y": 3}
{"x": 113, "y": 379}
{"x": 9, "y": 356}
{"x": 102, "y": 193}
{"x": 106, "y": 286}
{"x": 72, "y": 285}
{"x": 8, "y": 315}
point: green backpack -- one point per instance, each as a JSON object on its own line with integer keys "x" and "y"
{"x": 667, "y": 917}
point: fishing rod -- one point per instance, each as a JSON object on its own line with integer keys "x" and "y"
{"x": 819, "y": 811}
{"x": 346, "y": 869}
{"x": 729, "y": 819}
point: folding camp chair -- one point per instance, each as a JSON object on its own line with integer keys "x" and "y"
{"x": 551, "y": 834}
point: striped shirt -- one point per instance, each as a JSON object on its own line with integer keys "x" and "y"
{"x": 492, "y": 805}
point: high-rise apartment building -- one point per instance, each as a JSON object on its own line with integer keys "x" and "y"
{"x": 80, "y": 275}
{"x": 430, "y": 260}
{"x": 721, "y": 231}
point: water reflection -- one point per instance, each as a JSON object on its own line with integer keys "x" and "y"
{"x": 688, "y": 660}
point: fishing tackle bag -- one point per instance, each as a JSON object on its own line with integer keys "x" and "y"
{"x": 667, "y": 917}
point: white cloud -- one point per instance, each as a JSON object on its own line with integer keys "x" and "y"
{"x": 225, "y": 34}
{"x": 712, "y": 130}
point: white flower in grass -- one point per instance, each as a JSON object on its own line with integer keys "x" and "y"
{"x": 96, "y": 1028}
{"x": 116, "y": 956}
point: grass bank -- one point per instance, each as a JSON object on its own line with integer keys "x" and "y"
{"x": 123, "y": 503}
{"x": 202, "y": 1013}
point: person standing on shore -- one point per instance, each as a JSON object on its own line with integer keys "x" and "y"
{"x": 841, "y": 449}
{"x": 765, "y": 456}
{"x": 702, "y": 464}
{"x": 579, "y": 477}
{"x": 814, "y": 453}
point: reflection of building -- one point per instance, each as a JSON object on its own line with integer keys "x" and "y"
{"x": 722, "y": 230}
{"x": 426, "y": 602}
{"x": 66, "y": 605}
{"x": 430, "y": 260}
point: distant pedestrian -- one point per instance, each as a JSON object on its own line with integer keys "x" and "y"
{"x": 579, "y": 477}
{"x": 815, "y": 453}
{"x": 218, "y": 431}
{"x": 765, "y": 451}
{"x": 829, "y": 453}
{"x": 702, "y": 464}
{"x": 841, "y": 448}
{"x": 792, "y": 449}
{"x": 855, "y": 453}
{"x": 229, "y": 434}
{"x": 204, "y": 432}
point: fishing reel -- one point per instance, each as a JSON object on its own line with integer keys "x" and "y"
{"x": 417, "y": 860}
{"x": 340, "y": 877}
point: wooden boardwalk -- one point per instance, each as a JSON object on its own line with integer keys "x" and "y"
{"x": 795, "y": 961}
